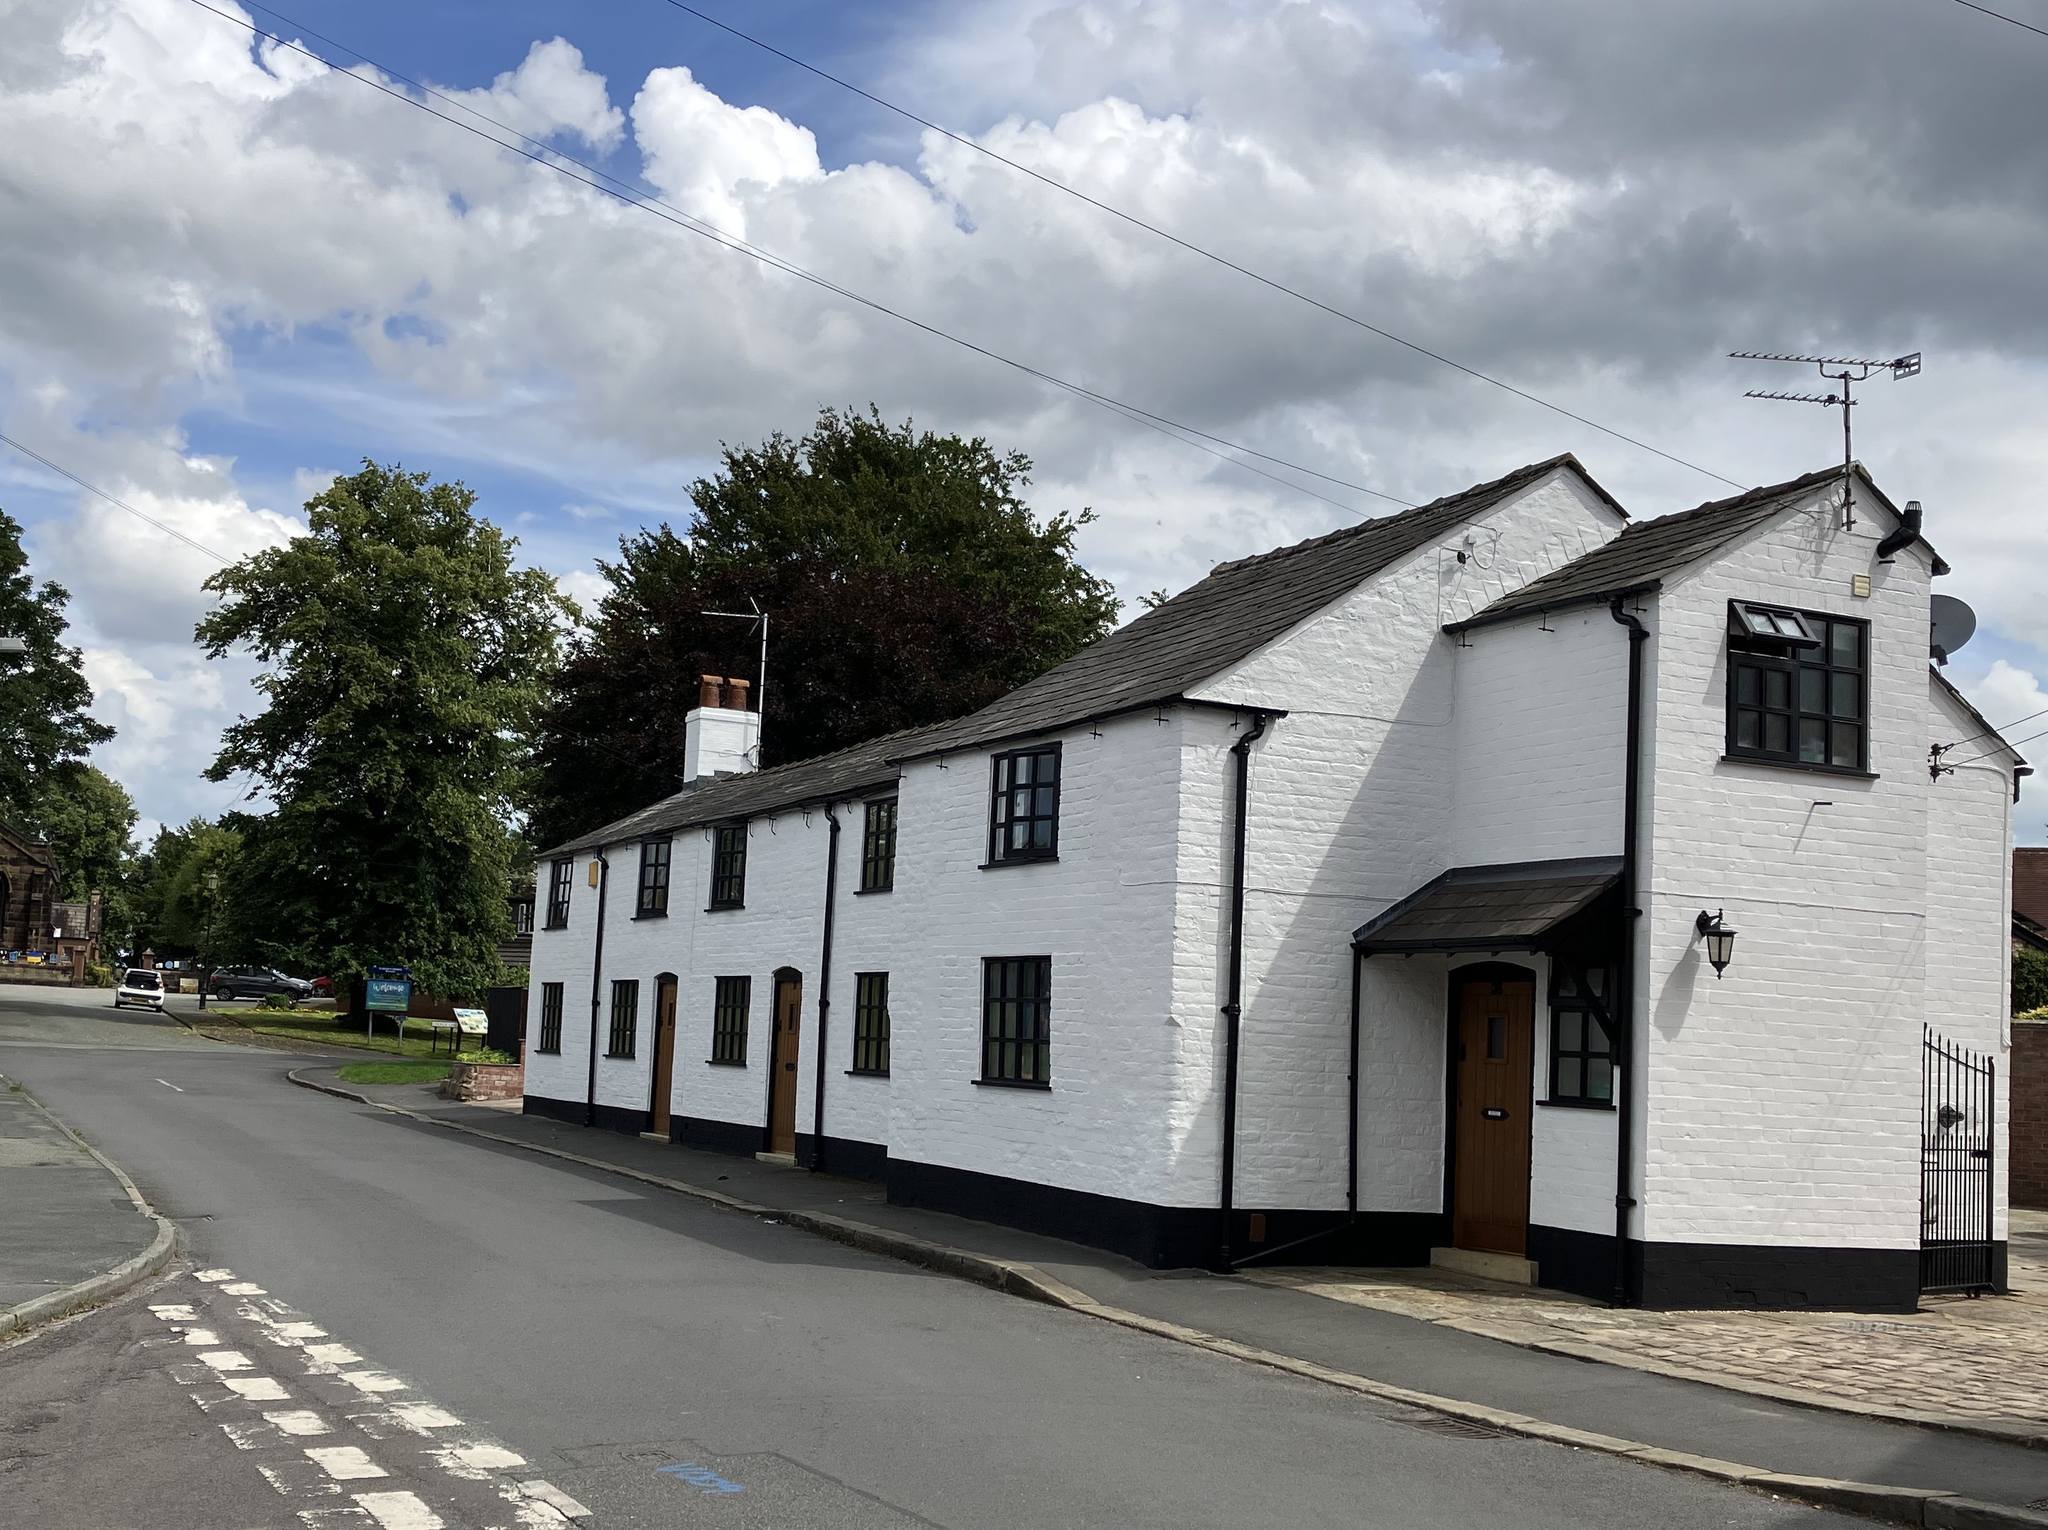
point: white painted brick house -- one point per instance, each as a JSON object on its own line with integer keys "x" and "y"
{"x": 1346, "y": 908}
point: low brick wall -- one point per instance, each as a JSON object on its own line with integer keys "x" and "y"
{"x": 485, "y": 1081}
{"x": 2030, "y": 1113}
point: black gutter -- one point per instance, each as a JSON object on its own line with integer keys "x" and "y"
{"x": 1233, "y": 1010}
{"x": 820, "y": 1052}
{"x": 1056, "y": 725}
{"x": 1624, "y": 987}
{"x": 1551, "y": 608}
{"x": 604, "y": 881}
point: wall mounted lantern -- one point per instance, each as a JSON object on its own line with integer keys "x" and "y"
{"x": 1719, "y": 937}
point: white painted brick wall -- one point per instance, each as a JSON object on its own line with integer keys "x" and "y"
{"x": 1783, "y": 1101}
{"x": 1353, "y": 807}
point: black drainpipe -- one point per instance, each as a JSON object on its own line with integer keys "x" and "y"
{"x": 604, "y": 880}
{"x": 1233, "y": 1010}
{"x": 1351, "y": 1185}
{"x": 824, "y": 994}
{"x": 1624, "y": 987}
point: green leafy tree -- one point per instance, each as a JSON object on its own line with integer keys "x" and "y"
{"x": 2029, "y": 979}
{"x": 87, "y": 817}
{"x": 405, "y": 663}
{"x": 43, "y": 693}
{"x": 907, "y": 580}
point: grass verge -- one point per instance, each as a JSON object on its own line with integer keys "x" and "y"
{"x": 329, "y": 1030}
{"x": 398, "y": 1071}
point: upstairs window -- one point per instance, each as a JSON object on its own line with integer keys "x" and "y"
{"x": 522, "y": 916}
{"x": 625, "y": 1018}
{"x": 1581, "y": 1051}
{"x": 1024, "y": 809}
{"x": 732, "y": 998}
{"x": 558, "y": 892}
{"x": 654, "y": 854}
{"x": 550, "y": 1018}
{"x": 729, "y": 866}
{"x": 1798, "y": 693}
{"x": 871, "y": 1023}
{"x": 878, "y": 846}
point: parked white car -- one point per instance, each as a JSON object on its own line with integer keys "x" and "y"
{"x": 139, "y": 985}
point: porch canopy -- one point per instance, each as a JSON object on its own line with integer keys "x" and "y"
{"x": 1522, "y": 906}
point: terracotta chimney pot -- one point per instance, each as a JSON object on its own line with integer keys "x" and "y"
{"x": 736, "y": 692}
{"x": 708, "y": 690}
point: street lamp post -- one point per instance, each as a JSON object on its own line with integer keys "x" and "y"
{"x": 212, "y": 904}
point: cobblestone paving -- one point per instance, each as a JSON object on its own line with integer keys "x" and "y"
{"x": 1981, "y": 1361}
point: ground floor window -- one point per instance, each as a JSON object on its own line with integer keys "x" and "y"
{"x": 1581, "y": 1050}
{"x": 1016, "y": 1021}
{"x": 730, "y": 1003}
{"x": 550, "y": 1017}
{"x": 625, "y": 1018}
{"x": 871, "y": 1023}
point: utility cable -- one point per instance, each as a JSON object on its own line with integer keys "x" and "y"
{"x": 1988, "y": 732}
{"x": 119, "y": 504}
{"x": 1195, "y": 249}
{"x": 1985, "y": 10}
{"x": 2013, "y": 747}
{"x": 620, "y": 191}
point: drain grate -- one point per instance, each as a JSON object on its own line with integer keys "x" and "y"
{"x": 1440, "y": 1423}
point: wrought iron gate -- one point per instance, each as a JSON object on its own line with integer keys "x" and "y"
{"x": 1957, "y": 1104}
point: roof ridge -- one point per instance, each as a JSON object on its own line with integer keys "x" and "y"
{"x": 1380, "y": 522}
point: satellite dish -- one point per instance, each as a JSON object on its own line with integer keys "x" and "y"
{"x": 1954, "y": 625}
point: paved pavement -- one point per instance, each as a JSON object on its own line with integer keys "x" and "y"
{"x": 662, "y": 1361}
{"x": 1960, "y": 1361}
{"x": 66, "y": 1219}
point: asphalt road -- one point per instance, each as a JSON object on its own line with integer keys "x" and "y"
{"x": 603, "y": 1332}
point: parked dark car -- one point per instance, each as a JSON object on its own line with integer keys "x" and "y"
{"x": 254, "y": 983}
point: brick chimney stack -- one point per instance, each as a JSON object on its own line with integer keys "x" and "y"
{"x": 721, "y": 735}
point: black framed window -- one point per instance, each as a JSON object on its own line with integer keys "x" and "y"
{"x": 550, "y": 1018}
{"x": 654, "y": 854}
{"x": 625, "y": 1018}
{"x": 1024, "y": 805}
{"x": 731, "y": 999}
{"x": 878, "y": 846}
{"x": 1016, "y": 1021}
{"x": 522, "y": 916}
{"x": 1798, "y": 693}
{"x": 871, "y": 1023}
{"x": 1581, "y": 1051}
{"x": 729, "y": 865}
{"x": 559, "y": 873}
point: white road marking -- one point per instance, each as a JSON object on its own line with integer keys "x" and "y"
{"x": 301, "y": 1331}
{"x": 227, "y": 1360}
{"x": 243, "y": 1288}
{"x": 201, "y": 1336}
{"x": 334, "y": 1519}
{"x": 249, "y": 1435}
{"x": 372, "y": 1381}
{"x": 424, "y": 1416}
{"x": 400, "y": 1511}
{"x": 332, "y": 1354}
{"x": 299, "y": 1421}
{"x": 169, "y": 1085}
{"x": 476, "y": 1462}
{"x": 344, "y": 1463}
{"x": 258, "y": 1388}
{"x": 213, "y": 1277}
{"x": 174, "y": 1312}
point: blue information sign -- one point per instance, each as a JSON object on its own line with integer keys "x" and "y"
{"x": 388, "y": 988}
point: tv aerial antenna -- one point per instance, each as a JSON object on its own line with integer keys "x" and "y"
{"x": 758, "y": 618}
{"x": 1850, "y": 371}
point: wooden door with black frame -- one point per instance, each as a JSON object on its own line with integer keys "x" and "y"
{"x": 1492, "y": 1098}
{"x": 664, "y": 1053}
{"x": 789, "y": 1009}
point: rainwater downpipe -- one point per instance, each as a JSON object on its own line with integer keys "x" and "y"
{"x": 1233, "y": 1009}
{"x": 824, "y": 994}
{"x": 604, "y": 877}
{"x": 1625, "y": 988}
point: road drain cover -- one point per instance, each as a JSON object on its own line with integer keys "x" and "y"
{"x": 1440, "y": 1423}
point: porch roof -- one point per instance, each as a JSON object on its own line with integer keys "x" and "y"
{"x": 1513, "y": 907}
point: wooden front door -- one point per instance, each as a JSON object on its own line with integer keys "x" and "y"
{"x": 789, "y": 1009}
{"x": 664, "y": 1054}
{"x": 1492, "y": 1099}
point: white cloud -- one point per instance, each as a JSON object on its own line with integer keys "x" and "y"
{"x": 2016, "y": 701}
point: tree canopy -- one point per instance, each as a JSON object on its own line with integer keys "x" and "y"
{"x": 44, "y": 697}
{"x": 87, "y": 816}
{"x": 174, "y": 897}
{"x": 906, "y": 579}
{"x": 405, "y": 663}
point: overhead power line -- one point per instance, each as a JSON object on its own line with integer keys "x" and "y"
{"x": 120, "y": 504}
{"x": 619, "y": 190}
{"x": 1985, "y": 10}
{"x": 1197, "y": 249}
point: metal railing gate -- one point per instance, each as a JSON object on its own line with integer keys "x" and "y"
{"x": 1957, "y": 1109}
